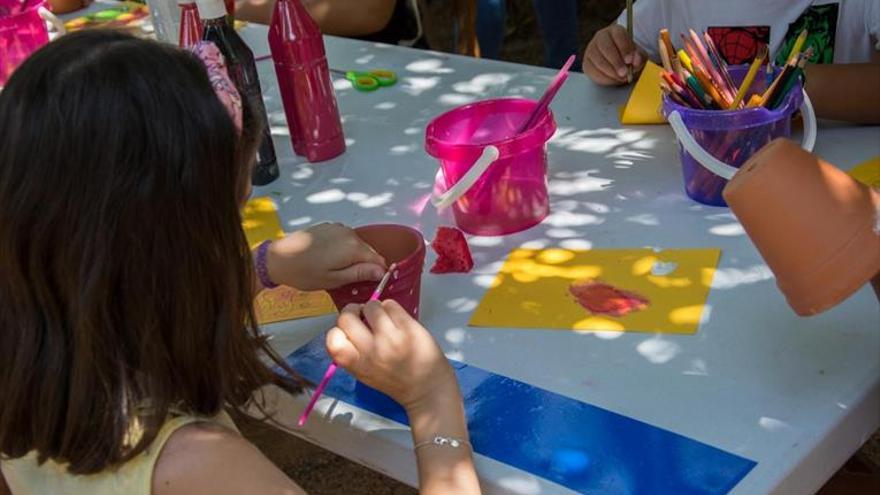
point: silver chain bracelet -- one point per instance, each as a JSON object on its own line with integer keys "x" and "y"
{"x": 442, "y": 441}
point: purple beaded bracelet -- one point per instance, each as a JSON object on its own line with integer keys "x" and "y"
{"x": 262, "y": 269}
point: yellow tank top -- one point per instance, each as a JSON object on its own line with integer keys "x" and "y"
{"x": 26, "y": 477}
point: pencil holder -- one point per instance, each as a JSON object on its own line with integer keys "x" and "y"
{"x": 397, "y": 244}
{"x": 817, "y": 228}
{"x": 713, "y": 144}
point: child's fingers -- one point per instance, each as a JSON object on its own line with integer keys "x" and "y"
{"x": 402, "y": 320}
{"x": 597, "y": 75}
{"x": 625, "y": 47}
{"x": 359, "y": 272}
{"x": 349, "y": 321}
{"x": 614, "y": 63}
{"x": 379, "y": 319}
{"x": 600, "y": 70}
{"x": 366, "y": 254}
{"x": 340, "y": 349}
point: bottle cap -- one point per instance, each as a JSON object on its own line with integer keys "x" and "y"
{"x": 185, "y": 2}
{"x": 211, "y": 9}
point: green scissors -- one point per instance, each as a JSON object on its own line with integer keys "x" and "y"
{"x": 368, "y": 80}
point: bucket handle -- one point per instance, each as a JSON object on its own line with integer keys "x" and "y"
{"x": 51, "y": 18}
{"x": 489, "y": 155}
{"x": 722, "y": 169}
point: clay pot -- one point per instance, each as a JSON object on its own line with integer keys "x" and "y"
{"x": 816, "y": 227}
{"x": 397, "y": 244}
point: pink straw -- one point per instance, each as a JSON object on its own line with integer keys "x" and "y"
{"x": 548, "y": 96}
{"x": 331, "y": 370}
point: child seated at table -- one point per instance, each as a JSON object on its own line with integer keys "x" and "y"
{"x": 126, "y": 285}
{"x": 844, "y": 71}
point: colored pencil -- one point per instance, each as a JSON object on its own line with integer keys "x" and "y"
{"x": 667, "y": 42}
{"x": 719, "y": 61}
{"x": 685, "y": 59}
{"x": 796, "y": 48}
{"x": 750, "y": 77}
{"x": 664, "y": 55}
{"x": 710, "y": 69}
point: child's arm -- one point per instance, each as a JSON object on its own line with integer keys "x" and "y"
{"x": 208, "y": 458}
{"x": 396, "y": 355}
{"x": 849, "y": 92}
{"x": 338, "y": 17}
{"x": 324, "y": 256}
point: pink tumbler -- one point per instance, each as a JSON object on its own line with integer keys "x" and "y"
{"x": 495, "y": 177}
{"x": 397, "y": 244}
{"x": 22, "y": 32}
{"x": 304, "y": 82}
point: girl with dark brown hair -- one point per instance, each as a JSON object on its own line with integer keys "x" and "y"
{"x": 126, "y": 287}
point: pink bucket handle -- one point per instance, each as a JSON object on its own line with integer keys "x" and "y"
{"x": 489, "y": 155}
{"x": 722, "y": 169}
{"x": 53, "y": 20}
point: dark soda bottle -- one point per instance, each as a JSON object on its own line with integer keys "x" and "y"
{"x": 243, "y": 72}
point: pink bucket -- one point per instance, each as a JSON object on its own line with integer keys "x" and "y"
{"x": 495, "y": 179}
{"x": 22, "y": 32}
{"x": 397, "y": 244}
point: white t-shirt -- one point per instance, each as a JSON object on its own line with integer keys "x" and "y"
{"x": 840, "y": 31}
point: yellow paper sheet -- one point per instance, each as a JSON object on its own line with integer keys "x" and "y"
{"x": 532, "y": 289}
{"x": 868, "y": 172}
{"x": 260, "y": 223}
{"x": 644, "y": 105}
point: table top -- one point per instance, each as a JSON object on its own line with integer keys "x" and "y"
{"x": 796, "y": 395}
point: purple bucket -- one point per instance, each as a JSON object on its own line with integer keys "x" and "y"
{"x": 731, "y": 136}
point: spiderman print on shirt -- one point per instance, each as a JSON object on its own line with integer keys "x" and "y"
{"x": 739, "y": 45}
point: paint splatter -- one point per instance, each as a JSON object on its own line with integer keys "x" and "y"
{"x": 604, "y": 299}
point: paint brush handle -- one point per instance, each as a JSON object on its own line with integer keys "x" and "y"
{"x": 331, "y": 370}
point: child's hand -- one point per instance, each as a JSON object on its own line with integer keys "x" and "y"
{"x": 325, "y": 256}
{"x": 608, "y": 54}
{"x": 395, "y": 354}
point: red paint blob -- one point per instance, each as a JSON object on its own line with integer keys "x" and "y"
{"x": 603, "y": 299}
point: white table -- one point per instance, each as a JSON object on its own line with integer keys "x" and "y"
{"x": 796, "y": 395}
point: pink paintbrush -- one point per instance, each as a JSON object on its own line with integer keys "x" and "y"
{"x": 548, "y": 96}
{"x": 332, "y": 368}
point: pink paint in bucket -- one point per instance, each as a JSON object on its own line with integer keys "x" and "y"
{"x": 498, "y": 178}
{"x": 397, "y": 244}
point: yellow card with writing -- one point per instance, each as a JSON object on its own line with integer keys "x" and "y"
{"x": 633, "y": 290}
{"x": 646, "y": 99}
{"x": 868, "y": 172}
{"x": 260, "y": 223}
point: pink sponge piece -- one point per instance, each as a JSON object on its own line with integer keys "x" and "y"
{"x": 453, "y": 253}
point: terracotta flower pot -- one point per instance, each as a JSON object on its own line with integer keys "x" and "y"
{"x": 397, "y": 244}
{"x": 816, "y": 227}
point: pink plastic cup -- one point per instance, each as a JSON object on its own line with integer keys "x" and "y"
{"x": 397, "y": 244}
{"x": 22, "y": 32}
{"x": 511, "y": 194}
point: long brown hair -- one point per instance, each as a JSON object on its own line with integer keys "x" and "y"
{"x": 125, "y": 277}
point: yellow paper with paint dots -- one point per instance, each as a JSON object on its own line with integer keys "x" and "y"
{"x": 282, "y": 303}
{"x": 868, "y": 172}
{"x": 630, "y": 290}
{"x": 646, "y": 100}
